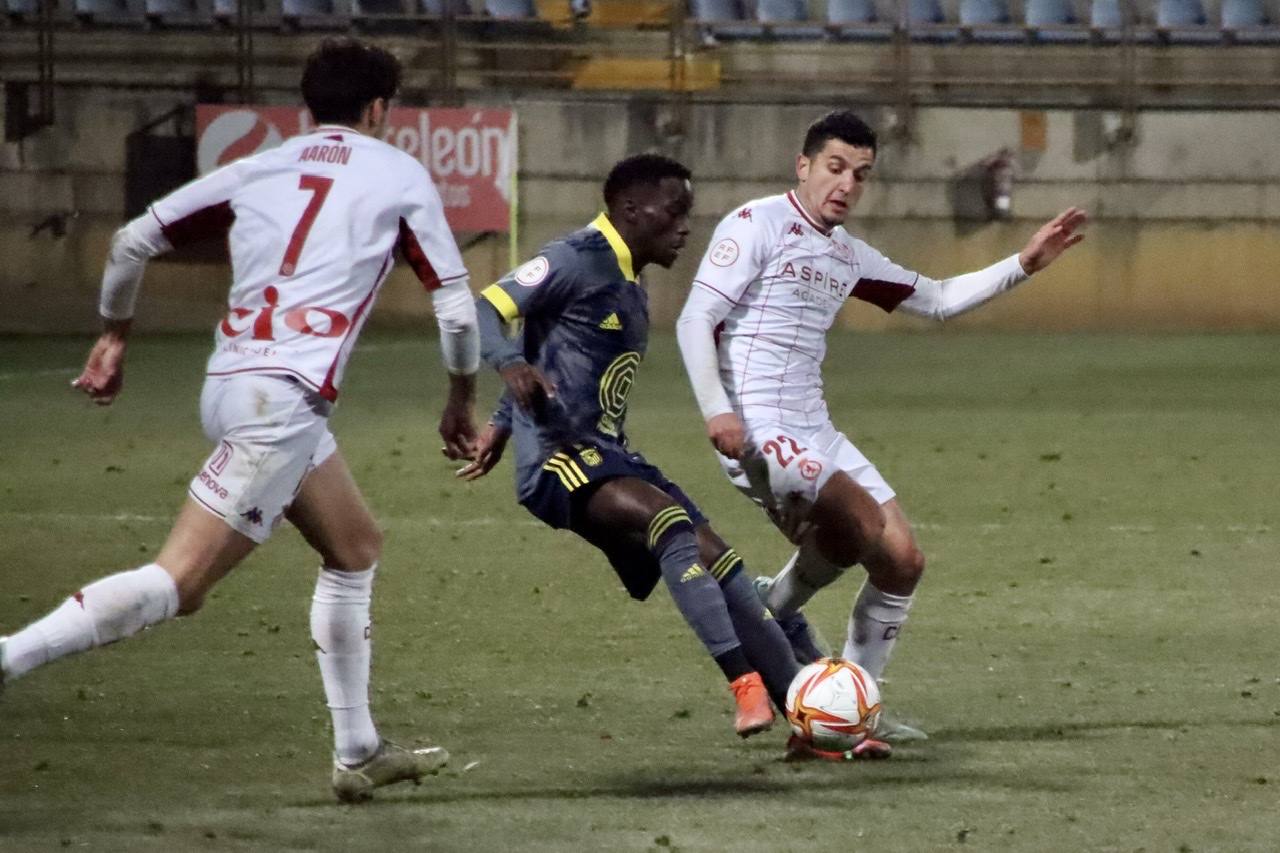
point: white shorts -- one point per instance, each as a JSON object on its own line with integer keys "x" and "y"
{"x": 270, "y": 431}
{"x": 787, "y": 467}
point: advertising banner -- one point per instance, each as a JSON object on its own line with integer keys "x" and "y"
{"x": 470, "y": 153}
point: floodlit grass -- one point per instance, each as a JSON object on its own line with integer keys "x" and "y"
{"x": 1094, "y": 648}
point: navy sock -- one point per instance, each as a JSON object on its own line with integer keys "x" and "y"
{"x": 693, "y": 589}
{"x": 762, "y": 639}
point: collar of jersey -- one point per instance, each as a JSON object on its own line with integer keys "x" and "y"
{"x": 795, "y": 202}
{"x": 602, "y": 224}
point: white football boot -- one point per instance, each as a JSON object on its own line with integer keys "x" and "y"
{"x": 390, "y": 764}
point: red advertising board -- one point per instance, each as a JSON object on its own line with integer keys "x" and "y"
{"x": 471, "y": 154}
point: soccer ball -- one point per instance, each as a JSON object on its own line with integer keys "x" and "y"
{"x": 833, "y": 704}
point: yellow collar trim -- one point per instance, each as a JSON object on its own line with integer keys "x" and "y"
{"x": 602, "y": 224}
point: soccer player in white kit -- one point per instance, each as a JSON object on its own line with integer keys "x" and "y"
{"x": 753, "y": 337}
{"x": 313, "y": 225}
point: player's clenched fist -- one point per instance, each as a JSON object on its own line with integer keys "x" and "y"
{"x": 103, "y": 374}
{"x": 727, "y": 434}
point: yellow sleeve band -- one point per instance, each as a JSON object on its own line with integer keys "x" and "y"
{"x": 498, "y": 299}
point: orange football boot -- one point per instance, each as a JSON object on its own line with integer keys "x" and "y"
{"x": 755, "y": 713}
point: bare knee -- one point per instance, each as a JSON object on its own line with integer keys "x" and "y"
{"x": 897, "y": 573}
{"x": 357, "y": 551}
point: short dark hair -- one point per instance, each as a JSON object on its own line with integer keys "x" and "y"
{"x": 838, "y": 124}
{"x": 641, "y": 170}
{"x": 344, "y": 75}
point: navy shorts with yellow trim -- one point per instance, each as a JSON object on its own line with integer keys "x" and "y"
{"x": 569, "y": 476}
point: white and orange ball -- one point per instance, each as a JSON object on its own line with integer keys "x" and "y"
{"x": 833, "y": 704}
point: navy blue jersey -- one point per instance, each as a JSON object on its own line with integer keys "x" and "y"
{"x": 586, "y": 327}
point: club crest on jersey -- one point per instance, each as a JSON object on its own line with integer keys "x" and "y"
{"x": 724, "y": 253}
{"x": 533, "y": 272}
{"x": 591, "y": 456}
{"x": 810, "y": 469}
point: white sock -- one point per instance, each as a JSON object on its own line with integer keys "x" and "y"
{"x": 106, "y": 610}
{"x": 874, "y": 626}
{"x": 340, "y": 629}
{"x": 804, "y": 574}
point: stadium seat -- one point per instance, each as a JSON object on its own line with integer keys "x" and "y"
{"x": 856, "y": 19}
{"x": 925, "y": 20}
{"x": 436, "y": 8}
{"x": 1054, "y": 21}
{"x": 786, "y": 19}
{"x": 108, "y": 11}
{"x": 315, "y": 14}
{"x": 513, "y": 9}
{"x": 361, "y": 9}
{"x": 987, "y": 20}
{"x": 1248, "y": 22}
{"x": 265, "y": 12}
{"x": 717, "y": 19}
{"x": 176, "y": 13}
{"x": 1184, "y": 22}
{"x": 1106, "y": 19}
{"x": 21, "y": 9}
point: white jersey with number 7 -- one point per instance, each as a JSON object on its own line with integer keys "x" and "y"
{"x": 313, "y": 225}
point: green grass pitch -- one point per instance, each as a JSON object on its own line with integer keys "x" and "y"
{"x": 1094, "y": 647}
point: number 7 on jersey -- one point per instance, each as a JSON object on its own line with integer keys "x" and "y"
{"x": 319, "y": 189}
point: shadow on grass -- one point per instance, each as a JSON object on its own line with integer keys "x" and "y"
{"x": 809, "y": 779}
{"x": 1050, "y": 731}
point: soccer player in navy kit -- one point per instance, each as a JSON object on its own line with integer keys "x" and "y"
{"x": 568, "y": 370}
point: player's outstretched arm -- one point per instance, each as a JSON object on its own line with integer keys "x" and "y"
{"x": 103, "y": 374}
{"x": 1054, "y": 237}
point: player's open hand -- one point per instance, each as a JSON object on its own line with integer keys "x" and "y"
{"x": 727, "y": 434}
{"x": 528, "y": 386}
{"x": 1054, "y": 237}
{"x": 487, "y": 453}
{"x": 103, "y": 374}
